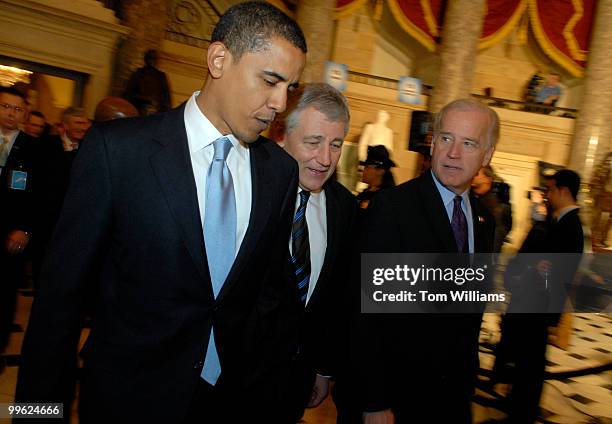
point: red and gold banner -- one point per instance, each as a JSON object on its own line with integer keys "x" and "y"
{"x": 562, "y": 27}
{"x": 422, "y": 19}
{"x": 501, "y": 17}
{"x": 419, "y": 18}
{"x": 563, "y": 30}
{"x": 348, "y": 7}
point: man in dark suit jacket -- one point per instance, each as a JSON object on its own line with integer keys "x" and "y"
{"x": 415, "y": 366}
{"x": 316, "y": 122}
{"x": 55, "y": 156}
{"x": 16, "y": 211}
{"x": 525, "y": 335}
{"x": 170, "y": 342}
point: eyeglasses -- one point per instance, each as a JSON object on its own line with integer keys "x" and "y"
{"x": 17, "y": 109}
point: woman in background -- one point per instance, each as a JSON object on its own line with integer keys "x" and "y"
{"x": 376, "y": 174}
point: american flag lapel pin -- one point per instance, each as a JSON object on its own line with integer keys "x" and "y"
{"x": 481, "y": 219}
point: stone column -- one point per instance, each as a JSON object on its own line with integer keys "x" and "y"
{"x": 316, "y": 18}
{"x": 147, "y": 20}
{"x": 462, "y": 29}
{"x": 593, "y": 128}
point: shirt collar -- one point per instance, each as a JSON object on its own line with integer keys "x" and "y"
{"x": 11, "y": 135}
{"x": 203, "y": 131}
{"x": 447, "y": 195}
{"x": 315, "y": 199}
{"x": 67, "y": 142}
{"x": 565, "y": 211}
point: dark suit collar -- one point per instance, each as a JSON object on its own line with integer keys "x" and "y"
{"x": 479, "y": 222}
{"x": 436, "y": 212}
{"x": 172, "y": 166}
{"x": 332, "y": 212}
{"x": 569, "y": 213}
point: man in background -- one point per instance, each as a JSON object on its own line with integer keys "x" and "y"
{"x": 16, "y": 203}
{"x": 549, "y": 93}
{"x": 110, "y": 108}
{"x": 525, "y": 335}
{"x": 35, "y": 125}
{"x": 316, "y": 123}
{"x": 54, "y": 161}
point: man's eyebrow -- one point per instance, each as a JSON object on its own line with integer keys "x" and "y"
{"x": 314, "y": 136}
{"x": 275, "y": 75}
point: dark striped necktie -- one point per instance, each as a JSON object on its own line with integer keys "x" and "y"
{"x": 301, "y": 248}
{"x": 459, "y": 225}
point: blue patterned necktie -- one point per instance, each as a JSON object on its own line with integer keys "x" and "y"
{"x": 219, "y": 238}
{"x": 459, "y": 224}
{"x": 301, "y": 248}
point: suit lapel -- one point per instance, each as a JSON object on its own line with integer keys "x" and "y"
{"x": 172, "y": 166}
{"x": 262, "y": 183}
{"x": 333, "y": 228}
{"x": 16, "y": 149}
{"x": 478, "y": 223}
{"x": 436, "y": 212}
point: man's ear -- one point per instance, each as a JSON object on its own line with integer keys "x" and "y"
{"x": 217, "y": 57}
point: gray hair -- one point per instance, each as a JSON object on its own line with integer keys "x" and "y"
{"x": 73, "y": 111}
{"x": 324, "y": 98}
{"x": 469, "y": 104}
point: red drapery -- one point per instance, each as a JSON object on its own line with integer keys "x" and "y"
{"x": 563, "y": 30}
{"x": 562, "y": 27}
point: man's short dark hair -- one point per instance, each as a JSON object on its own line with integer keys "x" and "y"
{"x": 13, "y": 92}
{"x": 37, "y": 113}
{"x": 568, "y": 178}
{"x": 249, "y": 27}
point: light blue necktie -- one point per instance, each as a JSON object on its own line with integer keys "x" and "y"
{"x": 219, "y": 237}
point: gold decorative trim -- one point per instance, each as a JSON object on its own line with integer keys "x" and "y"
{"x": 349, "y": 9}
{"x": 505, "y": 30}
{"x": 549, "y": 48}
{"x": 411, "y": 28}
{"x": 568, "y": 32}
{"x": 430, "y": 19}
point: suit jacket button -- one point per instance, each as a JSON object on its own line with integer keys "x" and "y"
{"x": 198, "y": 365}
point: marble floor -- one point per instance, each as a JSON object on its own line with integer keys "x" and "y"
{"x": 578, "y": 388}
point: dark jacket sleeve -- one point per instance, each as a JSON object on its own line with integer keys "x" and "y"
{"x": 49, "y": 349}
{"x": 369, "y": 335}
{"x": 329, "y": 348}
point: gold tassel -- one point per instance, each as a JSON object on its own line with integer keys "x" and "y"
{"x": 378, "y": 10}
{"x": 521, "y": 32}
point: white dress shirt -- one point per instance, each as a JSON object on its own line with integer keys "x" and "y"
{"x": 12, "y": 136}
{"x": 68, "y": 144}
{"x": 316, "y": 219}
{"x": 447, "y": 198}
{"x": 201, "y": 134}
